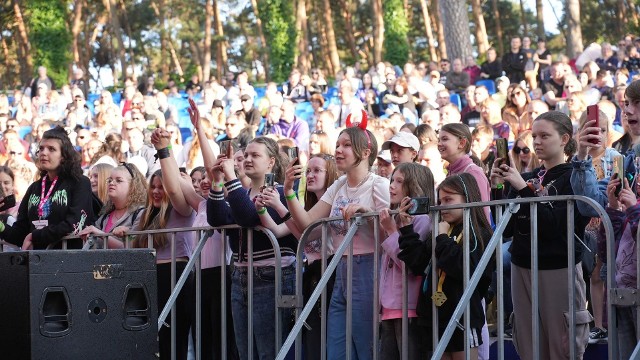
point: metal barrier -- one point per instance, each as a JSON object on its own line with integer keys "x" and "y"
{"x": 503, "y": 209}
{"x": 471, "y": 280}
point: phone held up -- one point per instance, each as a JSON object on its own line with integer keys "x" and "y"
{"x": 226, "y": 148}
{"x": 269, "y": 180}
{"x": 618, "y": 172}
{"x": 502, "y": 151}
{"x": 292, "y": 152}
{"x": 593, "y": 114}
{"x": 419, "y": 206}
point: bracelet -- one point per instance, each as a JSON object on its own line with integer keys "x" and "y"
{"x": 500, "y": 186}
{"x": 1, "y": 226}
{"x": 262, "y": 211}
{"x": 290, "y": 197}
{"x": 221, "y": 185}
{"x": 163, "y": 153}
{"x": 287, "y": 217}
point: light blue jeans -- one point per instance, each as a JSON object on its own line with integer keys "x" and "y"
{"x": 361, "y": 340}
{"x": 264, "y": 316}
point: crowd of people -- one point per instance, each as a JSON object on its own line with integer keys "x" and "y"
{"x": 371, "y": 143}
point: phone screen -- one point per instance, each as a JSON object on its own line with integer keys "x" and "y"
{"x": 293, "y": 154}
{"x": 502, "y": 150}
{"x": 593, "y": 114}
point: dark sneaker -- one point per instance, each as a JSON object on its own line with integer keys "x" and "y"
{"x": 508, "y": 332}
{"x": 598, "y": 336}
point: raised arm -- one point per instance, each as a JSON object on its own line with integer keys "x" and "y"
{"x": 208, "y": 156}
{"x": 301, "y": 217}
{"x": 170, "y": 172}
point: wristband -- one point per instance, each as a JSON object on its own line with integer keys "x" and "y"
{"x": 262, "y": 211}
{"x": 163, "y": 153}
{"x": 290, "y": 197}
{"x": 499, "y": 186}
{"x": 1, "y": 226}
{"x": 287, "y": 217}
{"x": 221, "y": 185}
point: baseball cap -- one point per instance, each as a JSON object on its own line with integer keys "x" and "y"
{"x": 403, "y": 139}
{"x": 385, "y": 155}
{"x": 217, "y": 103}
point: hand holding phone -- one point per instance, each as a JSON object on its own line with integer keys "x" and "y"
{"x": 593, "y": 114}
{"x": 269, "y": 180}
{"x": 618, "y": 172}
{"x": 226, "y": 148}
{"x": 293, "y": 155}
{"x": 502, "y": 150}
{"x": 419, "y": 206}
{"x": 8, "y": 202}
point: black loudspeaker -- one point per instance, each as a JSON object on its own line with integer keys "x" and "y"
{"x": 74, "y": 304}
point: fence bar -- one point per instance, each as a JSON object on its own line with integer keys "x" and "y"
{"x": 324, "y": 302}
{"x": 250, "y": 293}
{"x": 376, "y": 283}
{"x": 297, "y": 327}
{"x": 223, "y": 295}
{"x": 435, "y": 215}
{"x": 405, "y": 314}
{"x": 500, "y": 295}
{"x": 535, "y": 318}
{"x": 173, "y": 306}
{"x": 466, "y": 214}
{"x": 496, "y": 239}
{"x": 637, "y": 287}
{"x": 349, "y": 324}
{"x": 198, "y": 349}
{"x": 571, "y": 244}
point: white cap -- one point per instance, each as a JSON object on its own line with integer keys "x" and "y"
{"x": 403, "y": 139}
{"x": 385, "y": 155}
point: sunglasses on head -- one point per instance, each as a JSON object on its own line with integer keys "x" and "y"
{"x": 524, "y": 150}
{"x": 126, "y": 166}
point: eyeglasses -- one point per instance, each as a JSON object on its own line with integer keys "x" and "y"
{"x": 129, "y": 129}
{"x": 126, "y": 166}
{"x": 524, "y": 150}
{"x": 15, "y": 153}
{"x": 315, "y": 171}
{"x": 230, "y": 124}
{"x": 117, "y": 181}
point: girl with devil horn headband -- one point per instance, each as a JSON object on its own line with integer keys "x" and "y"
{"x": 358, "y": 191}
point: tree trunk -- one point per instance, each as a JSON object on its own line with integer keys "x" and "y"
{"x": 132, "y": 59}
{"x": 523, "y": 17}
{"x": 634, "y": 15}
{"x": 348, "y": 27}
{"x": 540, "y": 20}
{"x": 378, "y": 30}
{"x": 324, "y": 46}
{"x": 331, "y": 37}
{"x": 303, "y": 62}
{"x": 26, "y": 60}
{"x": 456, "y": 21}
{"x": 263, "y": 42}
{"x": 496, "y": 18}
{"x": 8, "y": 74}
{"x": 76, "y": 27}
{"x": 481, "y": 29}
{"x": 442, "y": 44}
{"x": 110, "y": 5}
{"x": 574, "y": 31}
{"x": 221, "y": 44}
{"x": 428, "y": 30}
{"x": 206, "y": 63}
{"x": 621, "y": 18}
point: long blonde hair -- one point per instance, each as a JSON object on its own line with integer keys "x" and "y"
{"x": 154, "y": 218}
{"x": 527, "y": 139}
{"x": 103, "y": 173}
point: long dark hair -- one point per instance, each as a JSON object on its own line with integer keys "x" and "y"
{"x": 418, "y": 180}
{"x": 466, "y": 185}
{"x": 70, "y": 165}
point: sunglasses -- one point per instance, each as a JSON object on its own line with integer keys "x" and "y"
{"x": 524, "y": 150}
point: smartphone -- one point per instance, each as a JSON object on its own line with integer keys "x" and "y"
{"x": 593, "y": 114}
{"x": 9, "y": 202}
{"x": 226, "y": 147}
{"x": 618, "y": 171}
{"x": 269, "y": 179}
{"x": 183, "y": 169}
{"x": 2, "y": 194}
{"x": 502, "y": 151}
{"x": 419, "y": 206}
{"x": 293, "y": 154}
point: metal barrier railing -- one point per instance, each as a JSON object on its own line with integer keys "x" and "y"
{"x": 615, "y": 296}
{"x": 471, "y": 280}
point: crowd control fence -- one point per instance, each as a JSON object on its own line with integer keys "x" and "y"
{"x": 503, "y": 211}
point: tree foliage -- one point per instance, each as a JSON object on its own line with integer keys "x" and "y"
{"x": 278, "y": 21}
{"x": 49, "y": 36}
{"x": 396, "y": 28}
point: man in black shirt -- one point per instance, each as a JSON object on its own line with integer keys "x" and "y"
{"x": 513, "y": 62}
{"x": 553, "y": 88}
{"x": 492, "y": 68}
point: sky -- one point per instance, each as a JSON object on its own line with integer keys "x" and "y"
{"x": 548, "y": 7}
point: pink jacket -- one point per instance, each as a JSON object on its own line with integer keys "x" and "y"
{"x": 391, "y": 269}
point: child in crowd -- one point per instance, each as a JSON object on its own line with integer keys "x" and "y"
{"x": 454, "y": 190}
{"x": 408, "y": 181}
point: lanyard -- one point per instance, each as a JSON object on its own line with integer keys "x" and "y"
{"x": 43, "y": 198}
{"x": 439, "y": 297}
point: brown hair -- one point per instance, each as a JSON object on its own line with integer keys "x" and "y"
{"x": 461, "y": 131}
{"x": 562, "y": 124}
{"x": 273, "y": 151}
{"x": 425, "y": 134}
{"x": 154, "y": 218}
{"x": 418, "y": 180}
{"x": 633, "y": 91}
{"x": 310, "y": 198}
{"x": 360, "y": 143}
{"x": 325, "y": 142}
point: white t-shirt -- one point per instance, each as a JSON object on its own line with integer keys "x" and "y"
{"x": 215, "y": 246}
{"x": 373, "y": 193}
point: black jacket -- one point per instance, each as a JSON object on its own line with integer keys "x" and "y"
{"x": 417, "y": 255}
{"x": 493, "y": 69}
{"x": 70, "y": 210}
{"x": 552, "y": 223}
{"x": 513, "y": 65}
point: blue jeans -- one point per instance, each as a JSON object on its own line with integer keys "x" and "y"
{"x": 263, "y": 312}
{"x": 361, "y": 341}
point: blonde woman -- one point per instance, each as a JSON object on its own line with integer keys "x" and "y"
{"x": 525, "y": 159}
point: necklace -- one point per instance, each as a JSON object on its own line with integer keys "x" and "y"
{"x": 364, "y": 179}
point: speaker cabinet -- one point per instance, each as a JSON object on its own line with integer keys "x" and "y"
{"x": 74, "y": 304}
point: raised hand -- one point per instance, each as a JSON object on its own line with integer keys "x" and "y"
{"x": 194, "y": 114}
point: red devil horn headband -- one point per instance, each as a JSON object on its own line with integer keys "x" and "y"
{"x": 362, "y": 125}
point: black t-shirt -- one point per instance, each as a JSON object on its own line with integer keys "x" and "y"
{"x": 554, "y": 87}
{"x": 472, "y": 118}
